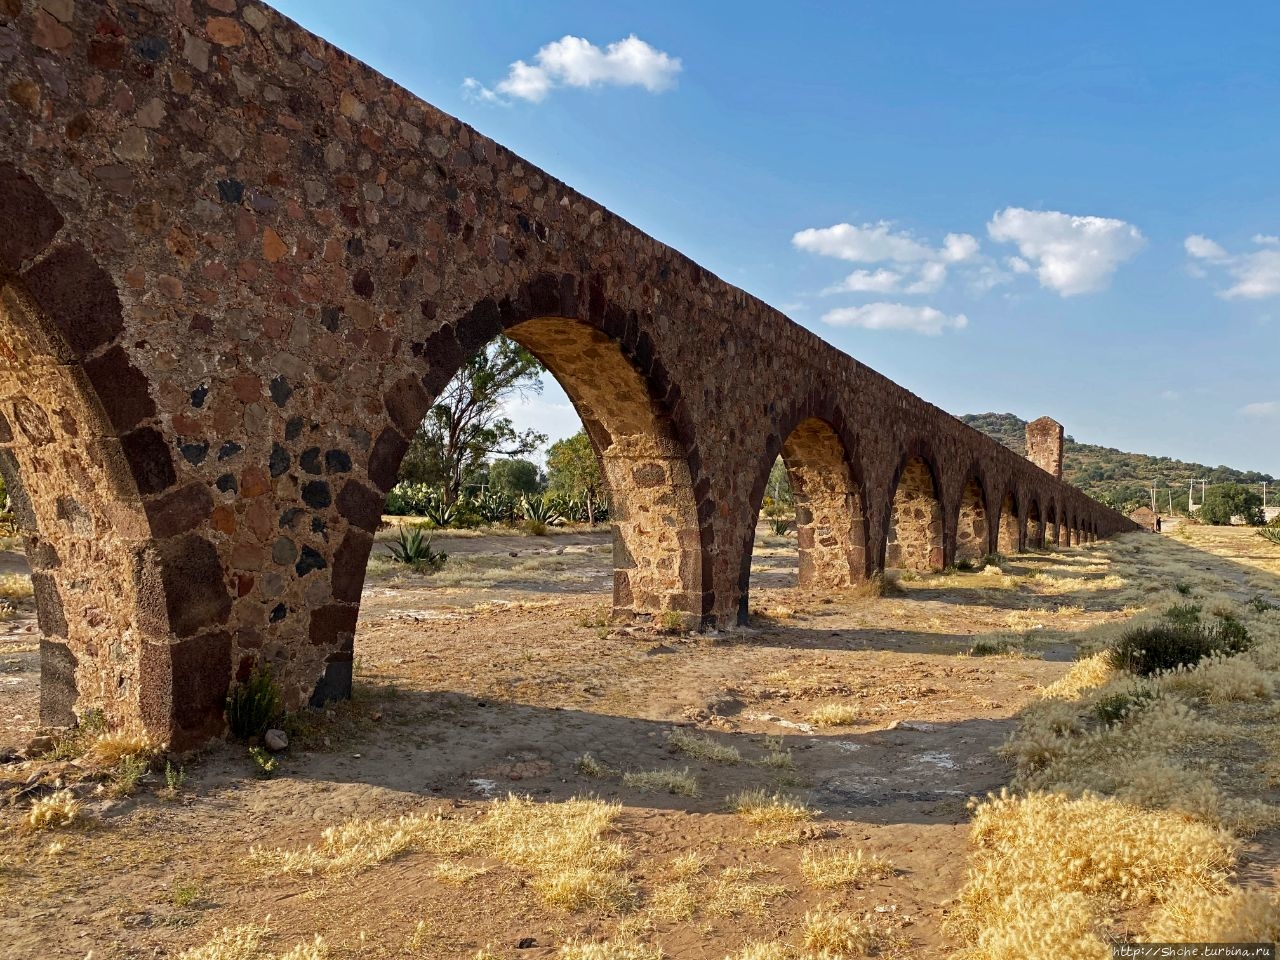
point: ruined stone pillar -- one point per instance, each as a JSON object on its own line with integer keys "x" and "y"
{"x": 1044, "y": 445}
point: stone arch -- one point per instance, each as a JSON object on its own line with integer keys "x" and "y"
{"x": 831, "y": 527}
{"x": 830, "y": 523}
{"x": 1034, "y": 537}
{"x": 131, "y": 602}
{"x": 657, "y": 548}
{"x": 1008, "y": 528}
{"x": 914, "y": 536}
{"x": 1052, "y": 530}
{"x": 622, "y": 394}
{"x": 973, "y": 531}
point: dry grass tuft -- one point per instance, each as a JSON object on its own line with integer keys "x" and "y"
{"x": 458, "y": 874}
{"x": 780, "y": 820}
{"x": 1048, "y": 866}
{"x": 589, "y": 766}
{"x": 766, "y": 810}
{"x": 841, "y": 869}
{"x": 1241, "y": 916}
{"x": 560, "y": 845}
{"x": 835, "y": 715}
{"x": 15, "y": 587}
{"x": 702, "y": 747}
{"x": 618, "y": 949}
{"x": 59, "y": 809}
{"x": 768, "y": 950}
{"x": 246, "y": 943}
{"x": 681, "y": 782}
{"x": 108, "y": 749}
{"x": 837, "y": 934}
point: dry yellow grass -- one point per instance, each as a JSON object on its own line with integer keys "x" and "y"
{"x": 589, "y": 766}
{"x": 779, "y": 820}
{"x": 456, "y": 874}
{"x": 245, "y": 942}
{"x": 829, "y": 871}
{"x": 108, "y": 749}
{"x": 618, "y": 949}
{"x": 1050, "y": 869}
{"x": 15, "y": 587}
{"x": 837, "y": 934}
{"x": 701, "y": 747}
{"x": 680, "y": 782}
{"x": 835, "y": 715}
{"x": 561, "y": 845}
{"x": 59, "y": 809}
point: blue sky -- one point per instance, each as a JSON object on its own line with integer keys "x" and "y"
{"x": 1060, "y": 209}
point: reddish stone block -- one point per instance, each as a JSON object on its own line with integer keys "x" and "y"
{"x": 30, "y": 219}
{"x": 78, "y": 299}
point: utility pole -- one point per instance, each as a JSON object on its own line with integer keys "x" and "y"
{"x": 1153, "y": 496}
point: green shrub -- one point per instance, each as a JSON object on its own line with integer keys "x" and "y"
{"x": 1178, "y": 639}
{"x": 1115, "y": 707}
{"x": 254, "y": 705}
{"x": 780, "y": 525}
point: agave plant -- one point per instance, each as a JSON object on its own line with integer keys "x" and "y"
{"x": 495, "y": 507}
{"x": 440, "y": 514}
{"x": 539, "y": 510}
{"x": 780, "y": 525}
{"x": 1270, "y": 533}
{"x": 413, "y": 548}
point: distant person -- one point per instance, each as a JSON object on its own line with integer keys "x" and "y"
{"x": 1157, "y": 523}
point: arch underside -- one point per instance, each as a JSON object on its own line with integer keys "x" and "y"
{"x": 657, "y": 548}
{"x": 1009, "y": 539}
{"x": 830, "y": 526}
{"x": 99, "y": 579}
{"x": 1035, "y": 527}
{"x": 914, "y": 540}
{"x": 972, "y": 530}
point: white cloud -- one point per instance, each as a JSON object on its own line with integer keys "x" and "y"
{"x": 919, "y": 267}
{"x": 895, "y": 316}
{"x": 958, "y": 247}
{"x": 1018, "y": 265}
{"x": 865, "y": 281}
{"x": 1203, "y": 248}
{"x": 1256, "y": 274}
{"x": 1071, "y": 254}
{"x": 1169, "y": 395}
{"x": 932, "y": 276}
{"x": 575, "y": 62}
{"x": 1264, "y": 409}
{"x": 878, "y": 242}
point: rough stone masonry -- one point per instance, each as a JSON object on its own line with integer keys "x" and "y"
{"x": 237, "y": 266}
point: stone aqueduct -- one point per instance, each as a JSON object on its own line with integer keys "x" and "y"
{"x": 238, "y": 265}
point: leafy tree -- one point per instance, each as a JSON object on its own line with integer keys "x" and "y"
{"x": 1227, "y": 500}
{"x": 778, "y": 496}
{"x": 574, "y": 470}
{"x": 514, "y": 477}
{"x": 466, "y": 426}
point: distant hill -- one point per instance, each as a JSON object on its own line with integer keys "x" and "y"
{"x": 1113, "y": 476}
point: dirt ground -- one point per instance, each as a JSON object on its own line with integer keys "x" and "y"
{"x": 500, "y": 673}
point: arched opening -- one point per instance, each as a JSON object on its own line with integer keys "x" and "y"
{"x": 1035, "y": 526}
{"x": 1009, "y": 534}
{"x": 1051, "y": 528}
{"x": 656, "y": 543}
{"x": 914, "y": 540}
{"x": 657, "y": 549}
{"x": 131, "y": 603}
{"x": 816, "y": 495}
{"x": 972, "y": 531}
